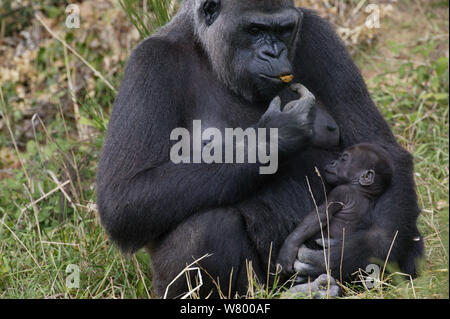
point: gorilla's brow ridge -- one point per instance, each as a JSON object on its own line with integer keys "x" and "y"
{"x": 273, "y": 20}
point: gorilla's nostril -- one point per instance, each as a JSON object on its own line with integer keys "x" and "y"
{"x": 332, "y": 128}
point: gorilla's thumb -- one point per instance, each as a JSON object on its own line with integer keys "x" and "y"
{"x": 275, "y": 105}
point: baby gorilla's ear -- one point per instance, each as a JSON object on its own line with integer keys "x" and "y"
{"x": 367, "y": 177}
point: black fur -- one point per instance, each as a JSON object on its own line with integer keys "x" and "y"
{"x": 182, "y": 212}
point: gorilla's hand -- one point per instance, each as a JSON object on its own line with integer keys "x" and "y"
{"x": 286, "y": 256}
{"x": 311, "y": 263}
{"x": 306, "y": 97}
{"x": 309, "y": 226}
{"x": 294, "y": 123}
{"x": 323, "y": 287}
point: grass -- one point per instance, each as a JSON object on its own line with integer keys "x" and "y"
{"x": 407, "y": 74}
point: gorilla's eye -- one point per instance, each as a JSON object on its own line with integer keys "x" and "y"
{"x": 211, "y": 10}
{"x": 254, "y": 30}
{"x": 345, "y": 157}
{"x": 285, "y": 32}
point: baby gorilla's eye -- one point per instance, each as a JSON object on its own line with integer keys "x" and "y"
{"x": 345, "y": 157}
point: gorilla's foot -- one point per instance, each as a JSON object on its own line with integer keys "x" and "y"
{"x": 322, "y": 287}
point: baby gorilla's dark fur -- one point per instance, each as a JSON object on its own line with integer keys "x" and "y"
{"x": 360, "y": 175}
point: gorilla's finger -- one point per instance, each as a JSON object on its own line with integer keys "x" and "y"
{"x": 322, "y": 287}
{"x": 326, "y": 243}
{"x": 303, "y": 110}
{"x": 297, "y": 88}
{"x": 327, "y": 286}
{"x": 303, "y": 249}
{"x": 289, "y": 106}
{"x": 307, "y": 255}
{"x": 334, "y": 207}
{"x": 303, "y": 269}
{"x": 303, "y": 91}
{"x": 323, "y": 279}
{"x": 301, "y": 289}
{"x": 313, "y": 260}
{"x": 286, "y": 269}
{"x": 275, "y": 105}
{"x": 335, "y": 291}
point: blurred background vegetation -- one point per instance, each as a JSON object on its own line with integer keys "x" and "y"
{"x": 57, "y": 87}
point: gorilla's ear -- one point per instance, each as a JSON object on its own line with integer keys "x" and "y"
{"x": 211, "y": 10}
{"x": 296, "y": 35}
{"x": 367, "y": 178}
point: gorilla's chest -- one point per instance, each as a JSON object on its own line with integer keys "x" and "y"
{"x": 217, "y": 109}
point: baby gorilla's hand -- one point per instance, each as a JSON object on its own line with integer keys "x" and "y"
{"x": 304, "y": 231}
{"x": 287, "y": 256}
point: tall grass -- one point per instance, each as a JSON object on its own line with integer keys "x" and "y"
{"x": 148, "y": 15}
{"x": 44, "y": 227}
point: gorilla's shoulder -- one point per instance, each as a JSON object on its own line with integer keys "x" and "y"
{"x": 308, "y": 12}
{"x": 157, "y": 53}
{"x": 311, "y": 18}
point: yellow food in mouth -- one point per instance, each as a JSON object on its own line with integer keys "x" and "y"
{"x": 287, "y": 78}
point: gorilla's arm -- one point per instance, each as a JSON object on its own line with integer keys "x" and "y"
{"x": 309, "y": 226}
{"x": 141, "y": 193}
{"x": 323, "y": 65}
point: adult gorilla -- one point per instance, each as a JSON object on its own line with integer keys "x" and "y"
{"x": 220, "y": 61}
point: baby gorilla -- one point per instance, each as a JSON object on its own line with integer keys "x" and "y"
{"x": 359, "y": 177}
{"x": 326, "y": 131}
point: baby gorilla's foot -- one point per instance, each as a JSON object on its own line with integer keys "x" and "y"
{"x": 322, "y": 287}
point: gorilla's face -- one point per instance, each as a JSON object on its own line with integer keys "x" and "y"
{"x": 250, "y": 43}
{"x": 264, "y": 50}
{"x": 340, "y": 171}
{"x": 355, "y": 165}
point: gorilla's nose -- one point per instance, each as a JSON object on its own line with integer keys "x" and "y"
{"x": 273, "y": 51}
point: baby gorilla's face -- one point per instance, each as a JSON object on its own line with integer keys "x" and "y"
{"x": 326, "y": 130}
{"x": 364, "y": 164}
{"x": 338, "y": 171}
{"x": 352, "y": 166}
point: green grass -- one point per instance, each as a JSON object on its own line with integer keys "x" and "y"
{"x": 38, "y": 243}
{"x": 146, "y": 22}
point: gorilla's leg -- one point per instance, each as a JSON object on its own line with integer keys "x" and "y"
{"x": 219, "y": 232}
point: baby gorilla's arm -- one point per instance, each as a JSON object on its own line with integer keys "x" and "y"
{"x": 310, "y": 225}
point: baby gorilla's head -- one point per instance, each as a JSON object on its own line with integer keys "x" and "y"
{"x": 326, "y": 131}
{"x": 367, "y": 165}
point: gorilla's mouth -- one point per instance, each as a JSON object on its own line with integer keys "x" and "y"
{"x": 275, "y": 79}
{"x": 278, "y": 79}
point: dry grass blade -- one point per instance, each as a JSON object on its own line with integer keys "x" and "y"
{"x": 96, "y": 73}
{"x": 184, "y": 272}
{"x": 21, "y": 243}
{"x": 34, "y": 202}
